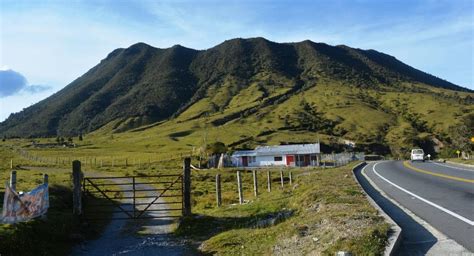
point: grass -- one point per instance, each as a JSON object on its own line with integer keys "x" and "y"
{"x": 54, "y": 234}
{"x": 326, "y": 209}
{"x": 324, "y": 212}
{"x": 462, "y": 161}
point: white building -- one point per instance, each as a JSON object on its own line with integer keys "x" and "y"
{"x": 283, "y": 155}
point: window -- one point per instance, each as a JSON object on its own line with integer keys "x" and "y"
{"x": 278, "y": 158}
{"x": 417, "y": 151}
{"x": 252, "y": 159}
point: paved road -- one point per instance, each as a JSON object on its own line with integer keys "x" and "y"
{"x": 440, "y": 194}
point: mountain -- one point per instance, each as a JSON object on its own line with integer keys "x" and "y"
{"x": 242, "y": 78}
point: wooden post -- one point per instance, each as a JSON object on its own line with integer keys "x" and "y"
{"x": 45, "y": 179}
{"x": 11, "y": 163}
{"x": 281, "y": 178}
{"x": 76, "y": 187}
{"x": 291, "y": 178}
{"x": 126, "y": 161}
{"x": 187, "y": 187}
{"x": 269, "y": 182}
{"x": 239, "y": 187}
{"x": 218, "y": 190}
{"x": 255, "y": 183}
{"x": 13, "y": 180}
{"x": 133, "y": 186}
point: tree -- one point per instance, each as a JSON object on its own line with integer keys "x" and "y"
{"x": 309, "y": 118}
{"x": 461, "y": 134}
{"x": 216, "y": 148}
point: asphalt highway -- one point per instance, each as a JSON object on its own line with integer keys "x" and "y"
{"x": 440, "y": 194}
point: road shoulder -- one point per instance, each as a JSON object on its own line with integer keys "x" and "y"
{"x": 396, "y": 231}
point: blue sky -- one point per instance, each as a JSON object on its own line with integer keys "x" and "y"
{"x": 51, "y": 43}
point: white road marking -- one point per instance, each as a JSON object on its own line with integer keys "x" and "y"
{"x": 468, "y": 221}
{"x": 452, "y": 167}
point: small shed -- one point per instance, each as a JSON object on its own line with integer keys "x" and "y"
{"x": 282, "y": 155}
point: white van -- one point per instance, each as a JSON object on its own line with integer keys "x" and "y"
{"x": 417, "y": 155}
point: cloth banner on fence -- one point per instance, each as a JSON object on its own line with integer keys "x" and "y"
{"x": 18, "y": 208}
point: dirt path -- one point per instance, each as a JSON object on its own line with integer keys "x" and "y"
{"x": 133, "y": 237}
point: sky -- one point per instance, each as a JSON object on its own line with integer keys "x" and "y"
{"x": 45, "y": 45}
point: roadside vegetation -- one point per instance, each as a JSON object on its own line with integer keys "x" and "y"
{"x": 462, "y": 161}
{"x": 325, "y": 211}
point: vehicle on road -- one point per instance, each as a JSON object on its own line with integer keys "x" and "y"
{"x": 417, "y": 155}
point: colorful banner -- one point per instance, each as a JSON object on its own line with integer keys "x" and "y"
{"x": 24, "y": 207}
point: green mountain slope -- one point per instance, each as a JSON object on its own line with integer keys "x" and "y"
{"x": 251, "y": 91}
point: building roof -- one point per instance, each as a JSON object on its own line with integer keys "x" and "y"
{"x": 298, "y": 149}
{"x": 244, "y": 153}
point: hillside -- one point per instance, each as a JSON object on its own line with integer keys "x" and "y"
{"x": 250, "y": 91}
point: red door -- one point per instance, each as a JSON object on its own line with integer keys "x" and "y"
{"x": 245, "y": 161}
{"x": 290, "y": 160}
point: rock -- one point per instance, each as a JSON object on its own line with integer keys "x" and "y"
{"x": 273, "y": 219}
{"x": 303, "y": 230}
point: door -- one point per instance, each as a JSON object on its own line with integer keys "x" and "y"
{"x": 245, "y": 161}
{"x": 290, "y": 160}
{"x": 306, "y": 160}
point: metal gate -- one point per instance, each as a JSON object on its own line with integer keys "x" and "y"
{"x": 132, "y": 197}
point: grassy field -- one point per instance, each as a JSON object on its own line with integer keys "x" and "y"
{"x": 323, "y": 212}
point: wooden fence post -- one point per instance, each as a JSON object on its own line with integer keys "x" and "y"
{"x": 187, "y": 187}
{"x": 255, "y": 183}
{"x": 239, "y": 187}
{"x": 11, "y": 163}
{"x": 133, "y": 188}
{"x": 126, "y": 161}
{"x": 13, "y": 180}
{"x": 291, "y": 178}
{"x": 269, "y": 182}
{"x": 281, "y": 178}
{"x": 218, "y": 190}
{"x": 76, "y": 187}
